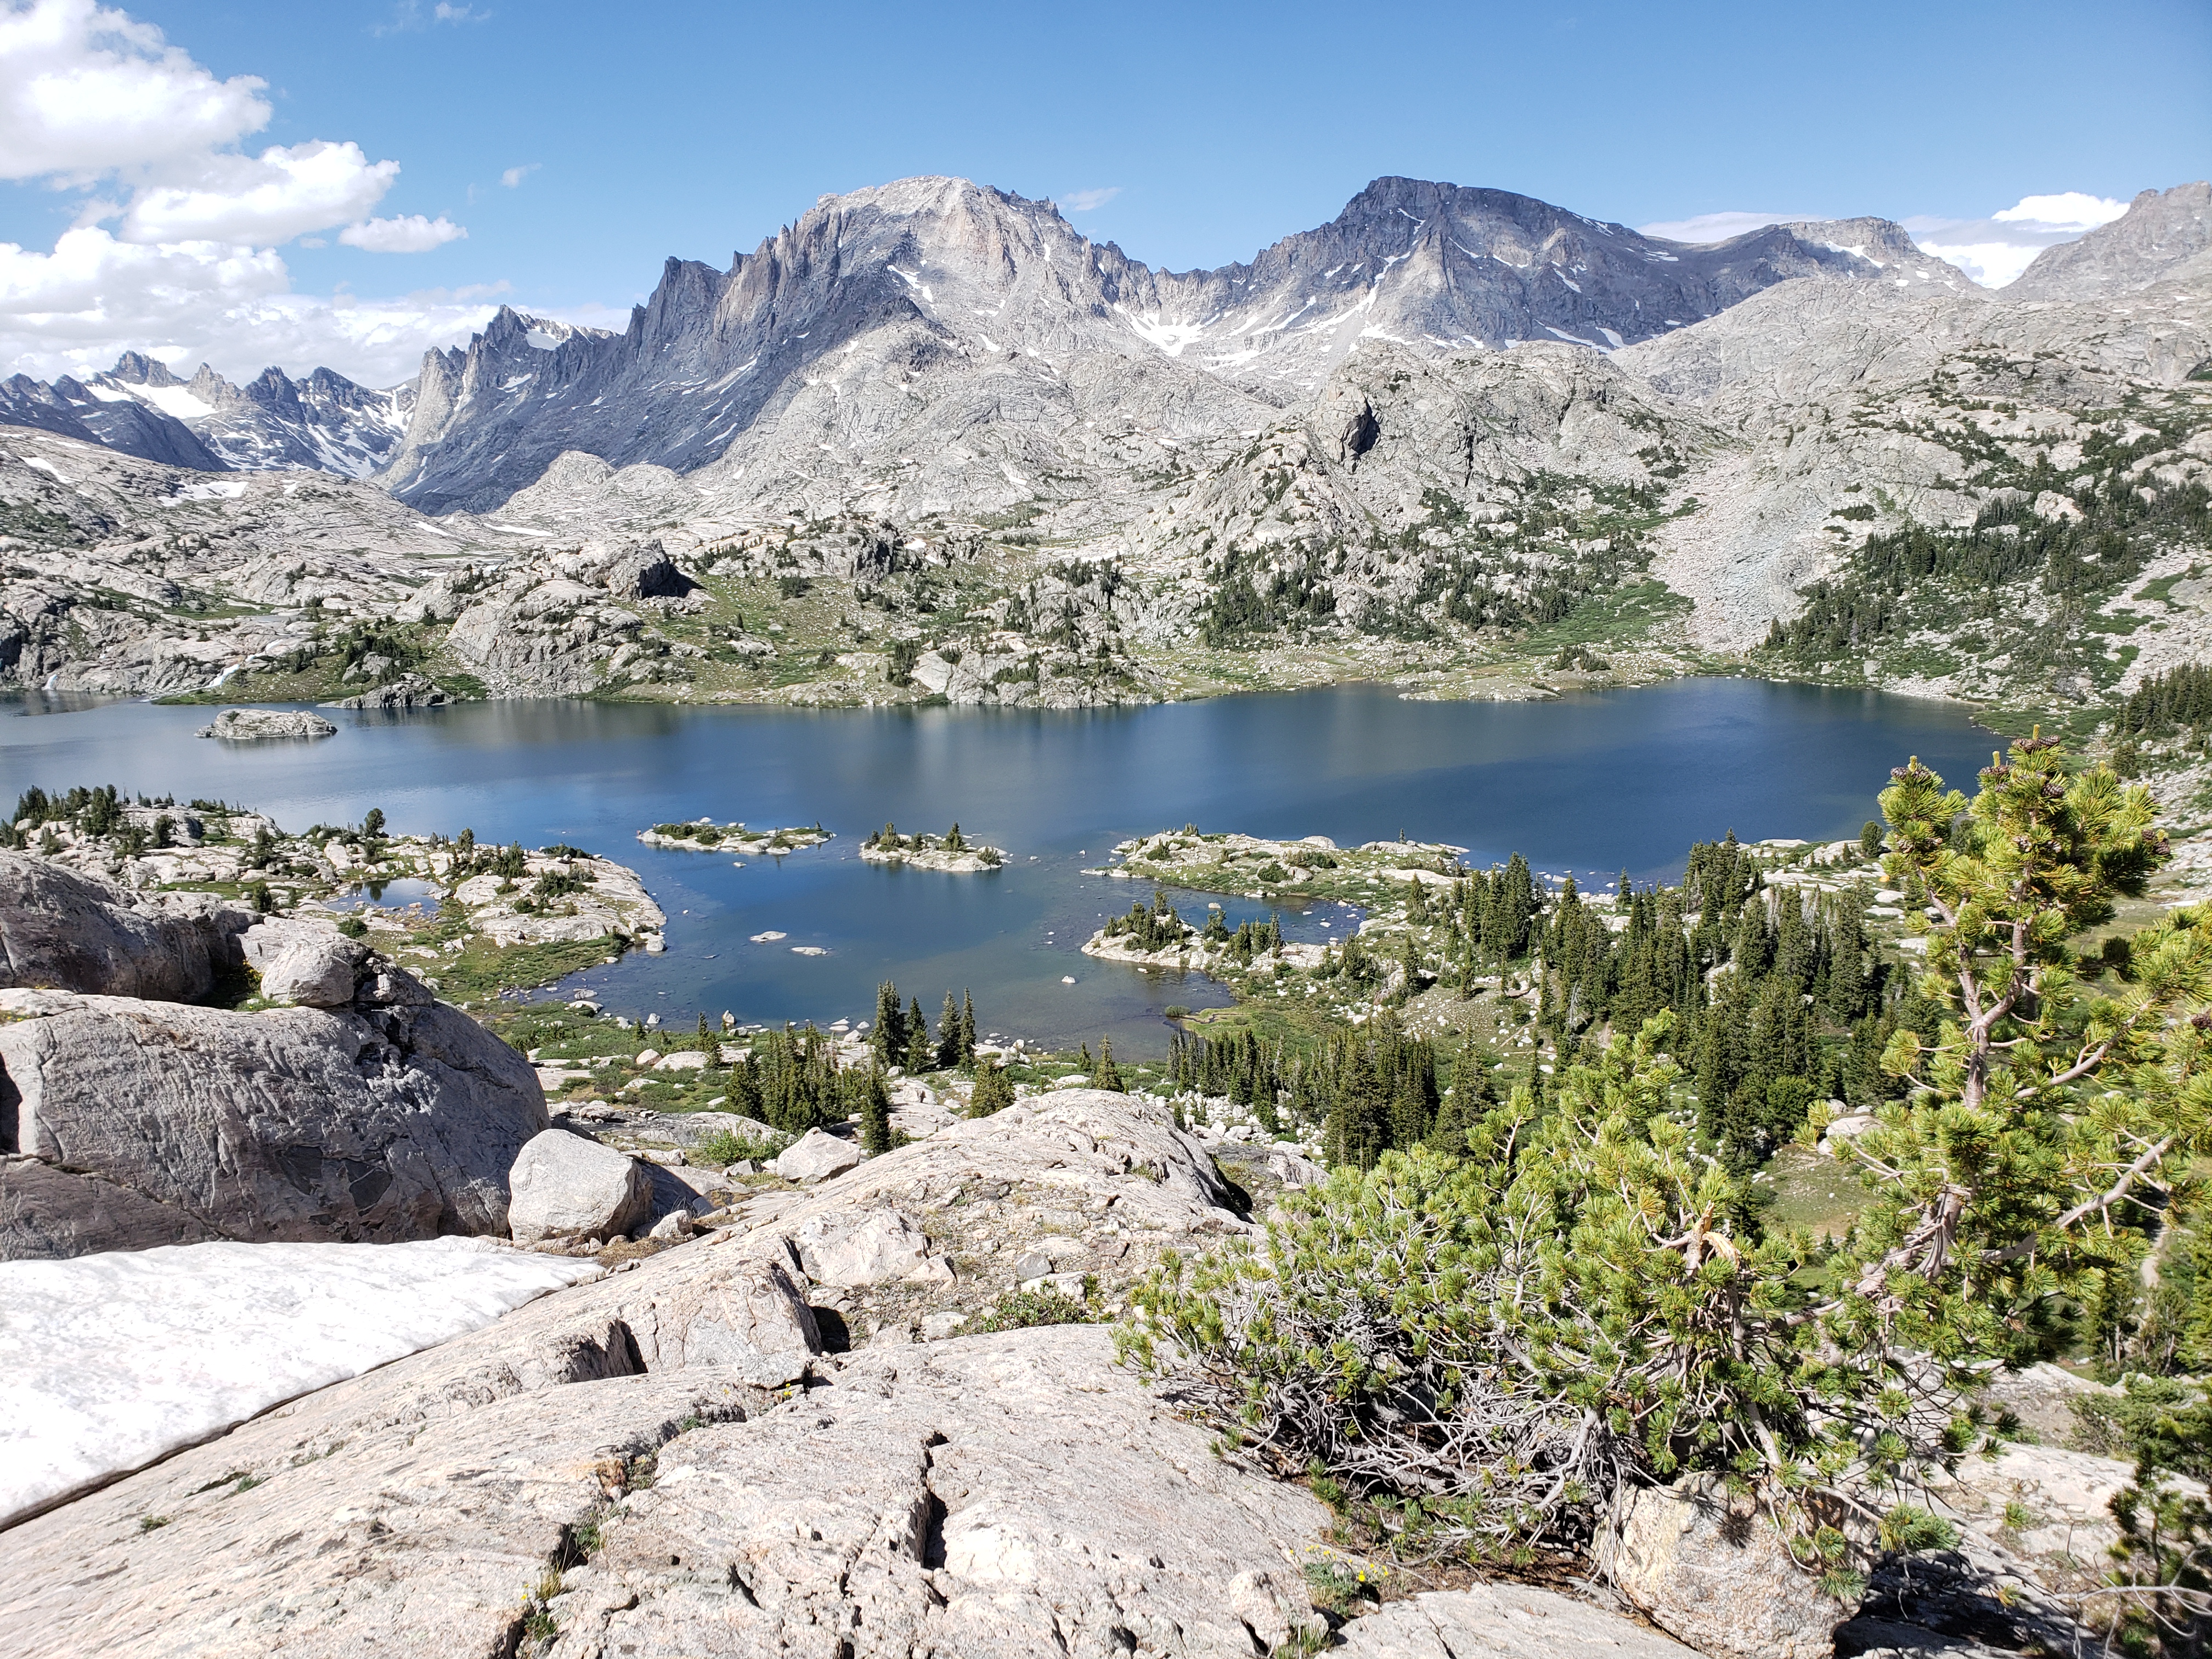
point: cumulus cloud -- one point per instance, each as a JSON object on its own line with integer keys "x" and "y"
{"x": 173, "y": 247}
{"x": 73, "y": 310}
{"x": 514, "y": 176}
{"x": 1717, "y": 227}
{"x": 1996, "y": 250}
{"x": 410, "y": 233}
{"x": 86, "y": 91}
{"x": 1087, "y": 201}
{"x": 262, "y": 200}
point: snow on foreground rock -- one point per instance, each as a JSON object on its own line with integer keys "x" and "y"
{"x": 108, "y": 1362}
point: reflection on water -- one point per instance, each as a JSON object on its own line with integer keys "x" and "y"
{"x": 1593, "y": 783}
{"x": 392, "y": 894}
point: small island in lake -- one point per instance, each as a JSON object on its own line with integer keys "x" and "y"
{"x": 705, "y": 835}
{"x": 1313, "y": 868}
{"x": 950, "y": 851}
{"x": 261, "y": 724}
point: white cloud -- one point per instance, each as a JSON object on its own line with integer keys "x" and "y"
{"x": 410, "y": 233}
{"x": 1088, "y": 201}
{"x": 264, "y": 200}
{"x": 85, "y": 91}
{"x": 514, "y": 176}
{"x": 1996, "y": 250}
{"x": 1715, "y": 226}
{"x": 173, "y": 250}
{"x": 73, "y": 310}
{"x": 2071, "y": 210}
{"x": 407, "y": 16}
{"x": 89, "y": 95}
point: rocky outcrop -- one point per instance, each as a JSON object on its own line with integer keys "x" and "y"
{"x": 260, "y": 725}
{"x": 618, "y": 1468}
{"x": 392, "y": 1116}
{"x": 1717, "y": 1575}
{"x": 408, "y": 691}
{"x": 566, "y": 1189}
{"x": 1078, "y": 1190}
{"x": 65, "y": 931}
{"x": 557, "y": 623}
{"x": 666, "y": 1463}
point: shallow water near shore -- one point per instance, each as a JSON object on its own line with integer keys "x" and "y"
{"x": 1593, "y": 783}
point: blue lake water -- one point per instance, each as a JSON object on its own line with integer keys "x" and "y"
{"x": 1591, "y": 783}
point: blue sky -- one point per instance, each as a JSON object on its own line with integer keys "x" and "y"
{"x": 1197, "y": 136}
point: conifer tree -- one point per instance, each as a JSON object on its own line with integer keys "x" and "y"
{"x": 948, "y": 1035}
{"x": 992, "y": 1092}
{"x": 967, "y": 1029}
{"x": 918, "y": 1050}
{"x": 888, "y": 1035}
{"x": 876, "y": 1113}
{"x": 1106, "y": 1074}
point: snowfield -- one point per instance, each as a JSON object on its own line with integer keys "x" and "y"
{"x": 114, "y": 1361}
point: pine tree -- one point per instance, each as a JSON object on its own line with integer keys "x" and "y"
{"x": 919, "y": 1051}
{"x": 967, "y": 1029}
{"x": 992, "y": 1092}
{"x": 876, "y": 1113}
{"x": 1106, "y": 1074}
{"x": 948, "y": 1035}
{"x": 888, "y": 1037}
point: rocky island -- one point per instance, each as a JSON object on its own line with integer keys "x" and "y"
{"x": 952, "y": 852}
{"x": 263, "y": 724}
{"x": 705, "y": 835}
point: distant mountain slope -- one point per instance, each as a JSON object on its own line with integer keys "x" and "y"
{"x": 117, "y": 422}
{"x": 324, "y": 423}
{"x": 2164, "y": 234}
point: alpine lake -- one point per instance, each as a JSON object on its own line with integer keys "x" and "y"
{"x": 1591, "y": 783}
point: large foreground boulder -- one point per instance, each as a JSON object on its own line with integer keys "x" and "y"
{"x": 816, "y": 1157}
{"x": 565, "y": 1189}
{"x": 63, "y": 931}
{"x": 392, "y": 1117}
{"x": 1719, "y": 1575}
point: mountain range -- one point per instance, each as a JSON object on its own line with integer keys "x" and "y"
{"x": 1455, "y": 437}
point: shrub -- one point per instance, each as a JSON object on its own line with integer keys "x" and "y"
{"x": 1017, "y": 1310}
{"x": 724, "y": 1147}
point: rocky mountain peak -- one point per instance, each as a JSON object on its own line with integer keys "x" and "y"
{"x": 140, "y": 370}
{"x": 2165, "y": 234}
